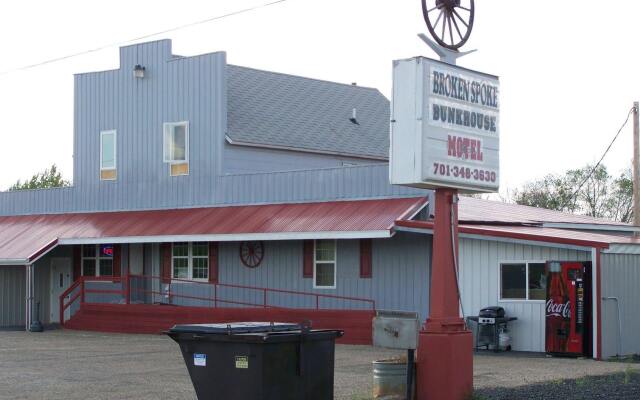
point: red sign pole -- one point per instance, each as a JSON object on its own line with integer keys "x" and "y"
{"x": 445, "y": 346}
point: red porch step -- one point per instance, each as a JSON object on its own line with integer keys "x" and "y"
{"x": 153, "y": 319}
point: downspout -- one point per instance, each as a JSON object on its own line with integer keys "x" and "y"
{"x": 619, "y": 344}
{"x": 28, "y": 268}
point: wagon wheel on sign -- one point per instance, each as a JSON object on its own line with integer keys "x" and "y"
{"x": 449, "y": 21}
{"x": 251, "y": 253}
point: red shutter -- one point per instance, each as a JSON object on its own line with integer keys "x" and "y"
{"x": 213, "y": 262}
{"x": 307, "y": 267}
{"x": 77, "y": 262}
{"x": 366, "y": 267}
{"x": 165, "y": 254}
{"x": 117, "y": 260}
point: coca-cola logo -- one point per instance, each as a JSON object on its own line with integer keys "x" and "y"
{"x": 559, "y": 309}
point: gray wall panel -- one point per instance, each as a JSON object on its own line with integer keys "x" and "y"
{"x": 620, "y": 276}
{"x": 12, "y": 296}
{"x": 401, "y": 267}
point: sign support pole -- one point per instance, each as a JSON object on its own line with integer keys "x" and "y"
{"x": 445, "y": 345}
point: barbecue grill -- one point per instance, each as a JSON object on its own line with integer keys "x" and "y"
{"x": 491, "y": 324}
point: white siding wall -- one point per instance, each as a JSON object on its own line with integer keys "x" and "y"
{"x": 479, "y": 284}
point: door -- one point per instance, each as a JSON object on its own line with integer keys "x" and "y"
{"x": 60, "y": 281}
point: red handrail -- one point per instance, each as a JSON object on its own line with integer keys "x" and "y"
{"x": 64, "y": 294}
{"x": 264, "y": 290}
{"x": 126, "y": 289}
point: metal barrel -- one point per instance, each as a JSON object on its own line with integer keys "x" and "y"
{"x": 389, "y": 379}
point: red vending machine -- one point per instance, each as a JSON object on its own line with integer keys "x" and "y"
{"x": 568, "y": 308}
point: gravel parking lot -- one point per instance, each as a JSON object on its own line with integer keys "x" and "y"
{"x": 73, "y": 365}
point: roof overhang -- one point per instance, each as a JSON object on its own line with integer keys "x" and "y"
{"x": 592, "y": 227}
{"x": 232, "y": 237}
{"x": 512, "y": 233}
{"x": 24, "y": 239}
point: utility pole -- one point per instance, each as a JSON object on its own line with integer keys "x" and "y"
{"x": 636, "y": 167}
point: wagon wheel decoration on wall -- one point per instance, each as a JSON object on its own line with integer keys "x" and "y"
{"x": 251, "y": 253}
{"x": 449, "y": 21}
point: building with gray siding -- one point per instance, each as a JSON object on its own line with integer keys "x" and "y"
{"x": 200, "y": 185}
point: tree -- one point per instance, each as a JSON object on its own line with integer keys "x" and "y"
{"x": 553, "y": 192}
{"x": 50, "y": 178}
{"x": 585, "y": 191}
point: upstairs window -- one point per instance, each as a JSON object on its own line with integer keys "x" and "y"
{"x": 108, "y": 168}
{"x": 176, "y": 147}
{"x": 324, "y": 266}
{"x": 190, "y": 261}
{"x": 97, "y": 260}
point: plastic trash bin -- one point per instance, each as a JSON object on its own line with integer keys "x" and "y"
{"x": 258, "y": 360}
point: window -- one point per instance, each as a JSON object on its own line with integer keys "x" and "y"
{"x": 190, "y": 261}
{"x": 108, "y": 168}
{"x": 523, "y": 281}
{"x": 324, "y": 266}
{"x": 97, "y": 260}
{"x": 176, "y": 147}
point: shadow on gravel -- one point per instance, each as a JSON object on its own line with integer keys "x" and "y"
{"x": 620, "y": 386}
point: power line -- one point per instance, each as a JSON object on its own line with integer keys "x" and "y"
{"x": 575, "y": 193}
{"x": 204, "y": 21}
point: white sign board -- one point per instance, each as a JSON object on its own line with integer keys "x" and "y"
{"x": 445, "y": 127}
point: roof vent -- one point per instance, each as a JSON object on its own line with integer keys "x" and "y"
{"x": 353, "y": 118}
{"x": 354, "y": 83}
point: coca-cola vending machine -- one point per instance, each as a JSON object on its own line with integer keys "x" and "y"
{"x": 568, "y": 308}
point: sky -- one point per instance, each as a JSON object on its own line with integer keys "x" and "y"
{"x": 568, "y": 69}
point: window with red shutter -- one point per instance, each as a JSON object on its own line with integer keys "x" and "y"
{"x": 307, "y": 263}
{"x": 366, "y": 262}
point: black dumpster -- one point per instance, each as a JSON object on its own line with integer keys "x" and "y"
{"x": 258, "y": 360}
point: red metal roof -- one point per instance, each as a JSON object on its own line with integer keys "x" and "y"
{"x": 489, "y": 211}
{"x": 24, "y": 238}
{"x": 534, "y": 233}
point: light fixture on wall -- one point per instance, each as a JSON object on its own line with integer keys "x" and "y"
{"x": 138, "y": 71}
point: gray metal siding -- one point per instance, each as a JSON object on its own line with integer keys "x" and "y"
{"x": 173, "y": 89}
{"x": 479, "y": 284}
{"x": 243, "y": 159}
{"x": 401, "y": 268}
{"x": 12, "y": 296}
{"x": 620, "y": 277}
{"x": 42, "y": 292}
{"x": 342, "y": 183}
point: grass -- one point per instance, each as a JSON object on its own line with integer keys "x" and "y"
{"x": 634, "y": 358}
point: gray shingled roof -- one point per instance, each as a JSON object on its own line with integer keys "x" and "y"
{"x": 273, "y": 109}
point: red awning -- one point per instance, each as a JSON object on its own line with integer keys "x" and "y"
{"x": 25, "y": 238}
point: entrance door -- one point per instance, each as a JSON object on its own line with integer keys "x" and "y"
{"x": 60, "y": 281}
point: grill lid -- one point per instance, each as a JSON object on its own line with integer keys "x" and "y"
{"x": 492, "y": 312}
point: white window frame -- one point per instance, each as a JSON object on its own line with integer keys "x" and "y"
{"x": 115, "y": 152}
{"x": 190, "y": 258}
{"x": 526, "y": 271}
{"x": 165, "y": 135}
{"x": 335, "y": 264}
{"x": 97, "y": 259}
